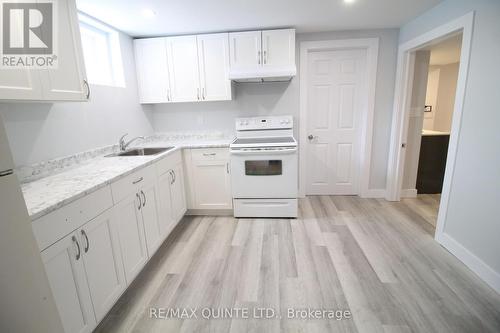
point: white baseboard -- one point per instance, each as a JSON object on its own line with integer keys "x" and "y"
{"x": 485, "y": 272}
{"x": 374, "y": 193}
{"x": 409, "y": 193}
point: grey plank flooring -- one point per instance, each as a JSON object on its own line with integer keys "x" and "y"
{"x": 374, "y": 258}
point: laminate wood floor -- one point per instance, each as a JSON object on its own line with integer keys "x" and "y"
{"x": 374, "y": 258}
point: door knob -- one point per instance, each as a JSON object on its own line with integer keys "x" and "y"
{"x": 310, "y": 137}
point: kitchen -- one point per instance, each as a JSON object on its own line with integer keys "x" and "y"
{"x": 156, "y": 158}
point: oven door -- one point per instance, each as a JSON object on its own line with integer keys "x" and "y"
{"x": 264, "y": 173}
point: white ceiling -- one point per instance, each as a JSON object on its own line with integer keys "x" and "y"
{"x": 447, "y": 51}
{"x": 197, "y": 16}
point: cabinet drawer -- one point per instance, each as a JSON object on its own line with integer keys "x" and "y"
{"x": 50, "y": 228}
{"x": 168, "y": 162}
{"x": 129, "y": 184}
{"x": 210, "y": 154}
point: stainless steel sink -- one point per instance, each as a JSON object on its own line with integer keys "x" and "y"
{"x": 142, "y": 151}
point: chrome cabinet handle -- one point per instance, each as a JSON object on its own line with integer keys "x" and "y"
{"x": 258, "y": 57}
{"x": 265, "y": 57}
{"x": 144, "y": 197}
{"x": 209, "y": 154}
{"x": 138, "y": 181}
{"x": 140, "y": 203}
{"x": 198, "y": 93}
{"x": 203, "y": 92}
{"x": 172, "y": 177}
{"x": 310, "y": 136}
{"x": 227, "y": 167}
{"x": 87, "y": 244}
{"x": 78, "y": 247}
{"x": 168, "y": 95}
{"x": 88, "y": 89}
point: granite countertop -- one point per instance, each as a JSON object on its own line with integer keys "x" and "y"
{"x": 56, "y": 190}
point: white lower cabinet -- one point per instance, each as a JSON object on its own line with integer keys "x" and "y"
{"x": 131, "y": 233}
{"x": 209, "y": 178}
{"x": 149, "y": 212}
{"x": 93, "y": 250}
{"x": 68, "y": 281}
{"x": 101, "y": 253}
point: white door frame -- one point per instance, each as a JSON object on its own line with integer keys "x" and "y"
{"x": 404, "y": 77}
{"x": 371, "y": 47}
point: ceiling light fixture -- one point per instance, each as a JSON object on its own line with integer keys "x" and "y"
{"x": 349, "y": 1}
{"x": 148, "y": 13}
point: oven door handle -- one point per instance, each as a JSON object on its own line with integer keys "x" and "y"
{"x": 264, "y": 152}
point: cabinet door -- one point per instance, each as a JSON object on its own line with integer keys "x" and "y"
{"x": 178, "y": 193}
{"x": 103, "y": 262}
{"x": 213, "y": 55}
{"x": 245, "y": 50}
{"x": 278, "y": 48}
{"x": 68, "y": 80}
{"x": 212, "y": 183}
{"x": 182, "y": 56}
{"x": 20, "y": 84}
{"x": 152, "y": 228}
{"x": 152, "y": 70}
{"x": 64, "y": 266}
{"x": 165, "y": 213}
{"x": 131, "y": 233}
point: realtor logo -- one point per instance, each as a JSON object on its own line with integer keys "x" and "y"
{"x": 28, "y": 34}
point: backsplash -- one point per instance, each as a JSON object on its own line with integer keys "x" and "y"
{"x": 30, "y": 173}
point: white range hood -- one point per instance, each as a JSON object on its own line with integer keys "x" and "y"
{"x": 264, "y": 75}
{"x": 262, "y": 56}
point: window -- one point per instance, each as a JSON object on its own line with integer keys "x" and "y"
{"x": 101, "y": 52}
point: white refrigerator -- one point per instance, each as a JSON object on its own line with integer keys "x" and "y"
{"x": 26, "y": 302}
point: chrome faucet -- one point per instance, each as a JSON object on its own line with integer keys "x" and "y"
{"x": 124, "y": 145}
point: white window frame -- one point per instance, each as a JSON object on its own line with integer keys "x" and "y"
{"x": 114, "y": 50}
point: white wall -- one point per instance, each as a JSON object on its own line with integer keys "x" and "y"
{"x": 41, "y": 131}
{"x": 472, "y": 221}
{"x": 416, "y": 120}
{"x": 431, "y": 96}
{"x": 283, "y": 98}
{"x": 445, "y": 101}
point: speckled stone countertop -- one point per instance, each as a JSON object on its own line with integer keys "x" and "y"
{"x": 46, "y": 194}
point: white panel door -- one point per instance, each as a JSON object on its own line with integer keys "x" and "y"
{"x": 68, "y": 81}
{"x": 152, "y": 70}
{"x": 213, "y": 55}
{"x": 152, "y": 227}
{"x": 334, "y": 111}
{"x": 131, "y": 232}
{"x": 245, "y": 50}
{"x": 64, "y": 267}
{"x": 178, "y": 193}
{"x": 278, "y": 48}
{"x": 212, "y": 184}
{"x": 182, "y": 53}
{"x": 102, "y": 258}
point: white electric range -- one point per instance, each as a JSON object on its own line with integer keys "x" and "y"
{"x": 264, "y": 167}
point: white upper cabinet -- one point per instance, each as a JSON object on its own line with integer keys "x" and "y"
{"x": 182, "y": 57}
{"x": 66, "y": 82}
{"x": 245, "y": 50}
{"x": 183, "y": 69}
{"x": 267, "y": 55}
{"x": 20, "y": 84}
{"x": 213, "y": 60}
{"x": 152, "y": 70}
{"x": 278, "y": 49}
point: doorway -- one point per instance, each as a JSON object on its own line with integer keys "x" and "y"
{"x": 407, "y": 58}
{"x": 337, "y": 94}
{"x": 435, "y": 75}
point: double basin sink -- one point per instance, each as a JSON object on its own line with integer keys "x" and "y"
{"x": 142, "y": 152}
